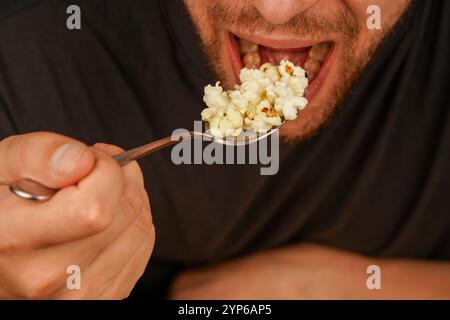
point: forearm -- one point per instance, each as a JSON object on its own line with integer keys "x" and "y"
{"x": 314, "y": 272}
{"x": 342, "y": 275}
{"x": 339, "y": 274}
{"x": 411, "y": 279}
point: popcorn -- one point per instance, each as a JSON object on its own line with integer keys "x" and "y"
{"x": 239, "y": 100}
{"x": 265, "y": 117}
{"x": 252, "y": 92}
{"x": 254, "y": 76}
{"x": 227, "y": 121}
{"x": 286, "y": 102}
{"x": 288, "y": 69}
{"x": 271, "y": 72}
{"x": 215, "y": 97}
{"x": 298, "y": 85}
{"x": 265, "y": 98}
{"x": 292, "y": 105}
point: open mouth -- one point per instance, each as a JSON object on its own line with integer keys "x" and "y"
{"x": 252, "y": 52}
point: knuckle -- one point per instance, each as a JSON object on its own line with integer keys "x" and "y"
{"x": 144, "y": 223}
{"x": 38, "y": 282}
{"x": 7, "y": 247}
{"x": 143, "y": 214}
{"x": 95, "y": 217}
{"x": 11, "y": 244}
{"x": 133, "y": 199}
{"x": 136, "y": 199}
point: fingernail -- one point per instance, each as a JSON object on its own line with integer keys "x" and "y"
{"x": 65, "y": 158}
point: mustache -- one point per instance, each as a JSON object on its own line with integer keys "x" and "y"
{"x": 307, "y": 23}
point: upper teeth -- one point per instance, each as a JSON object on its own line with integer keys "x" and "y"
{"x": 316, "y": 56}
{"x": 312, "y": 67}
{"x": 251, "y": 58}
{"x": 247, "y": 46}
{"x": 319, "y": 51}
{"x": 249, "y": 53}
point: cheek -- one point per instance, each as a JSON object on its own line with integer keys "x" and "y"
{"x": 366, "y": 13}
{"x": 386, "y": 12}
{"x": 359, "y": 7}
{"x": 197, "y": 9}
{"x": 226, "y": 65}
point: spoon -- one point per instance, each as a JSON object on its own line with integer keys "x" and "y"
{"x": 32, "y": 190}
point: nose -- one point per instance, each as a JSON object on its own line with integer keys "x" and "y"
{"x": 282, "y": 11}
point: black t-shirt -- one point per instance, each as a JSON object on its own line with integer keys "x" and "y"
{"x": 375, "y": 181}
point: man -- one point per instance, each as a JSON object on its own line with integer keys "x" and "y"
{"x": 363, "y": 182}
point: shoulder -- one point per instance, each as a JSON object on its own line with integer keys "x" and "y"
{"x": 51, "y": 76}
{"x": 47, "y": 70}
{"x": 10, "y": 8}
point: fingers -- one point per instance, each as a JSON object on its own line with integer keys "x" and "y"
{"x": 114, "y": 270}
{"x": 73, "y": 213}
{"x": 51, "y": 159}
{"x": 124, "y": 283}
{"x": 131, "y": 172}
{"x": 131, "y": 250}
{"x": 50, "y": 263}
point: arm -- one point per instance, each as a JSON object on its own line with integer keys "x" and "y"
{"x": 314, "y": 272}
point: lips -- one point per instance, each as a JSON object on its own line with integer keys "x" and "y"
{"x": 252, "y": 52}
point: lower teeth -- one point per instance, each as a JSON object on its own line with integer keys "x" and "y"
{"x": 247, "y": 46}
{"x": 251, "y": 59}
{"x": 319, "y": 51}
{"x": 312, "y": 68}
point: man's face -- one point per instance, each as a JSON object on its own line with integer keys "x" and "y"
{"x": 328, "y": 38}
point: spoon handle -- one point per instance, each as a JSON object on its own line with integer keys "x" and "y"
{"x": 126, "y": 157}
{"x": 33, "y": 190}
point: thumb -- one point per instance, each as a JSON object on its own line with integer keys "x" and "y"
{"x": 53, "y": 160}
